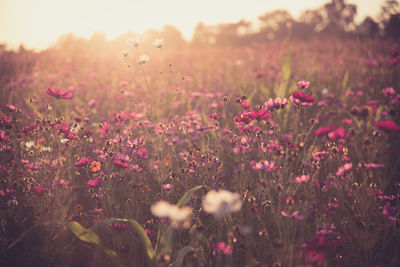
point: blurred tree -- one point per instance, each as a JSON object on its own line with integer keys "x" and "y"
{"x": 338, "y": 17}
{"x": 276, "y": 24}
{"x": 203, "y": 35}
{"x": 389, "y": 18}
{"x": 231, "y": 33}
{"x": 368, "y": 28}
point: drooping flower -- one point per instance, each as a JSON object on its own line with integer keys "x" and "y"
{"x": 59, "y": 93}
{"x": 221, "y": 203}
{"x": 301, "y": 99}
{"x": 276, "y": 104}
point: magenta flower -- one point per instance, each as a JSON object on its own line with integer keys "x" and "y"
{"x": 244, "y": 117}
{"x": 262, "y": 114}
{"x": 388, "y": 91}
{"x": 83, "y": 162}
{"x": 59, "y": 93}
{"x": 95, "y": 182}
{"x": 301, "y": 99}
{"x": 373, "y": 165}
{"x": 263, "y": 165}
{"x": 221, "y": 246}
{"x": 388, "y": 126}
{"x": 38, "y": 190}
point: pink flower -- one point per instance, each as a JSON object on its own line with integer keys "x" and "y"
{"x": 38, "y": 190}
{"x": 302, "y": 179}
{"x": 95, "y": 182}
{"x": 167, "y": 186}
{"x": 339, "y": 133}
{"x": 388, "y": 126}
{"x": 388, "y": 91}
{"x": 373, "y": 165}
{"x": 221, "y": 246}
{"x": 301, "y": 99}
{"x": 303, "y": 84}
{"x": 324, "y": 130}
{"x": 276, "y": 104}
{"x": 262, "y": 114}
{"x": 263, "y": 165}
{"x": 59, "y": 93}
{"x": 343, "y": 170}
{"x": 83, "y": 162}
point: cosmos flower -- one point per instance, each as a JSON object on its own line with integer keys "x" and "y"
{"x": 222, "y": 247}
{"x": 276, "y": 104}
{"x": 303, "y": 84}
{"x": 343, "y": 170}
{"x": 58, "y": 93}
{"x": 388, "y": 126}
{"x": 301, "y": 99}
{"x": 158, "y": 43}
{"x": 134, "y": 41}
{"x": 262, "y": 114}
{"x": 221, "y": 203}
{"x": 302, "y": 179}
{"x": 38, "y": 190}
{"x": 95, "y": 166}
{"x": 95, "y": 182}
{"x": 143, "y": 59}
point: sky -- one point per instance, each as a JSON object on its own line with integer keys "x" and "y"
{"x": 38, "y": 23}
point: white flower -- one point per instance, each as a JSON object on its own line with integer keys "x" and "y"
{"x": 64, "y": 141}
{"x": 177, "y": 216}
{"x": 143, "y": 59}
{"x": 134, "y": 41}
{"x": 46, "y": 149}
{"x": 221, "y": 203}
{"x": 29, "y": 145}
{"x": 158, "y": 43}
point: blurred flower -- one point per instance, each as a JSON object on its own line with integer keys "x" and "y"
{"x": 78, "y": 207}
{"x": 95, "y": 182}
{"x": 388, "y": 91}
{"x": 38, "y": 190}
{"x": 302, "y": 179}
{"x": 263, "y": 165}
{"x": 303, "y": 84}
{"x": 134, "y": 41}
{"x": 301, "y": 99}
{"x": 222, "y": 247}
{"x": 221, "y": 203}
{"x": 83, "y": 162}
{"x": 373, "y": 165}
{"x": 29, "y": 145}
{"x": 343, "y": 170}
{"x": 143, "y": 59}
{"x": 59, "y": 93}
{"x": 388, "y": 126}
{"x": 158, "y": 43}
{"x": 177, "y": 216}
{"x": 167, "y": 186}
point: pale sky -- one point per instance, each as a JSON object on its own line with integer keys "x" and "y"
{"x": 38, "y": 23}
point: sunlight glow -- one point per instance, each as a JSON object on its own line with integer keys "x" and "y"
{"x": 38, "y": 23}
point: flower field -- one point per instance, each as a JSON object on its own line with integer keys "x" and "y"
{"x": 278, "y": 154}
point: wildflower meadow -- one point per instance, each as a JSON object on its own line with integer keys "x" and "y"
{"x": 268, "y": 154}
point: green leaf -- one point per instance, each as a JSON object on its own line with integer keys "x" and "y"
{"x": 89, "y": 236}
{"x": 283, "y": 87}
{"x": 150, "y": 254}
{"x": 188, "y": 195}
{"x": 181, "y": 256}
